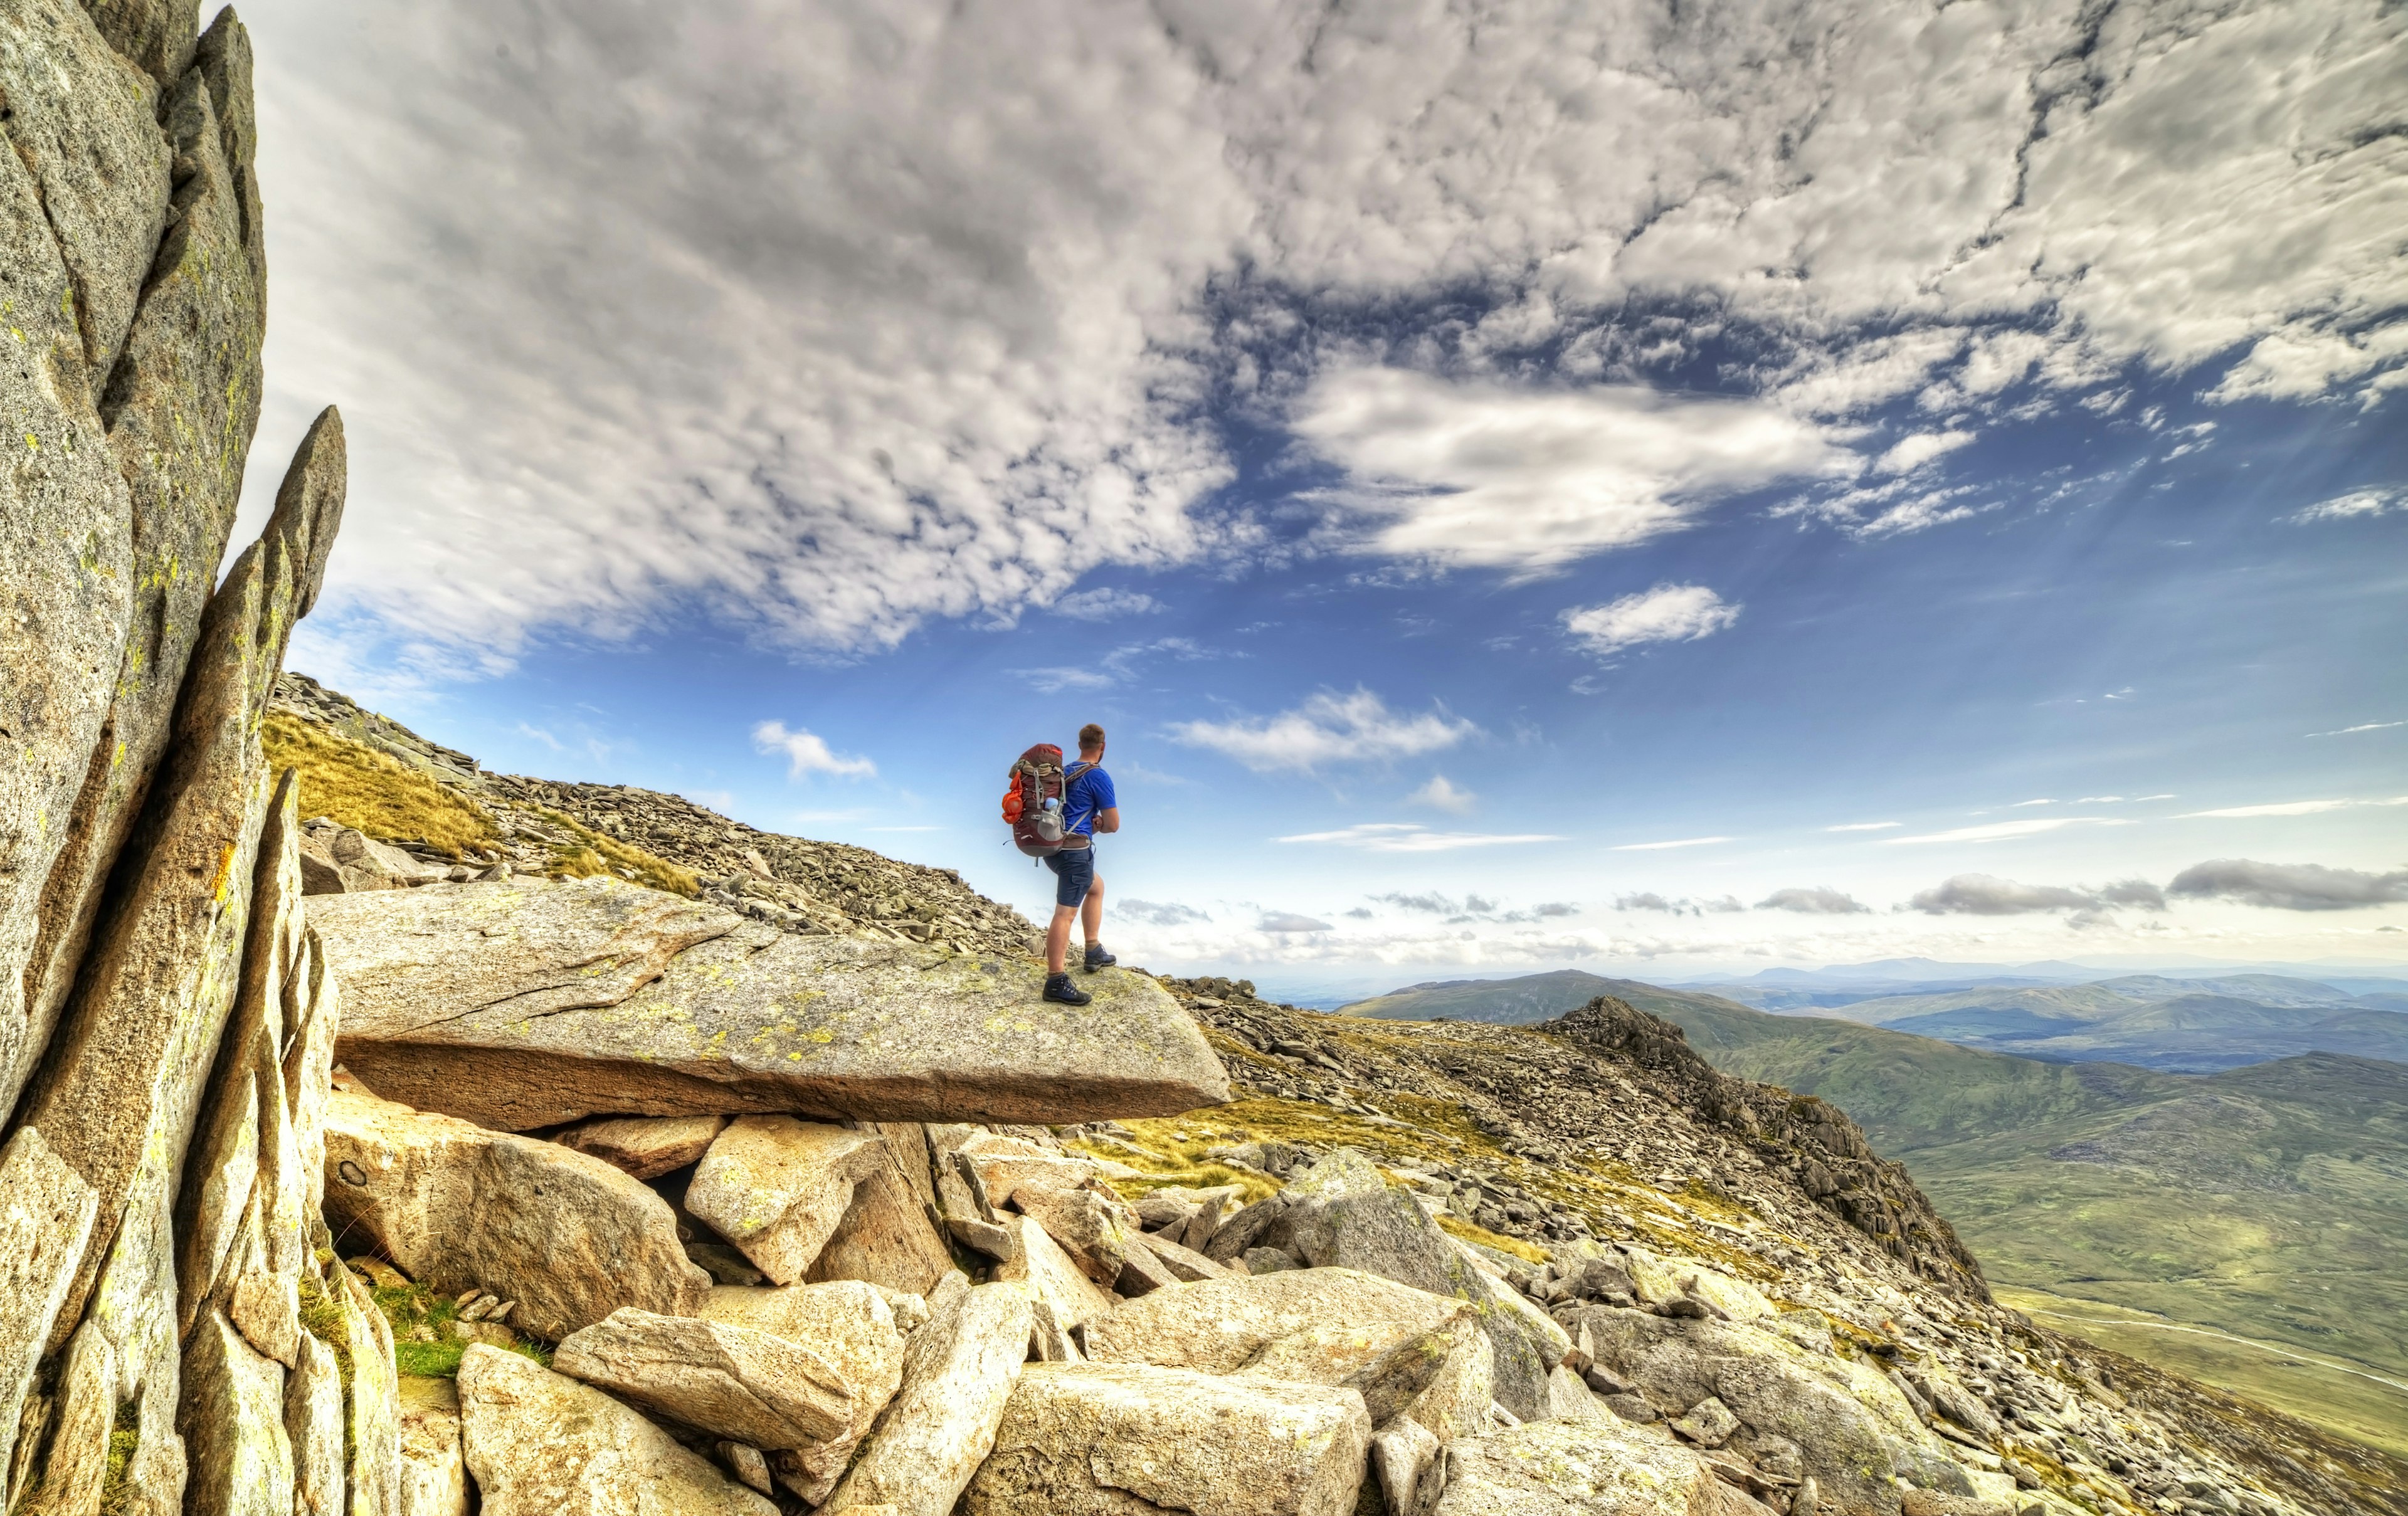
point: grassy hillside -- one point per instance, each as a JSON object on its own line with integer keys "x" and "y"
{"x": 2266, "y": 1203}
{"x": 1515, "y": 1002}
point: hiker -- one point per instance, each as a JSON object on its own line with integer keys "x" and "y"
{"x": 1088, "y": 807}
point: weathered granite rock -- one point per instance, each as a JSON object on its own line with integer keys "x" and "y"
{"x": 46, "y": 1213}
{"x": 540, "y": 1444}
{"x": 434, "y": 1472}
{"x": 1051, "y": 1276}
{"x": 232, "y": 1419}
{"x": 645, "y": 1147}
{"x": 747, "y": 1019}
{"x": 778, "y": 1187}
{"x": 731, "y": 1381}
{"x": 1403, "y": 1350}
{"x": 1083, "y": 1440}
{"x": 82, "y": 201}
{"x": 851, "y": 1326}
{"x": 313, "y": 1422}
{"x": 886, "y": 1237}
{"x": 1410, "y": 1464}
{"x": 157, "y": 35}
{"x": 1581, "y": 1468}
{"x": 957, "y": 1377}
{"x": 1342, "y": 1214}
{"x": 1570, "y": 1399}
{"x": 568, "y": 1237}
{"x": 363, "y": 862}
{"x": 77, "y": 1463}
{"x": 121, "y": 1086}
{"x": 1767, "y": 1384}
{"x": 372, "y": 1411}
{"x": 1094, "y": 1227}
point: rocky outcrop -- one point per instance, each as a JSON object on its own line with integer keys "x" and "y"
{"x": 738, "y": 1017}
{"x": 1584, "y": 1468}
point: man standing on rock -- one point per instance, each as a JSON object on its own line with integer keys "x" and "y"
{"x": 1088, "y": 807}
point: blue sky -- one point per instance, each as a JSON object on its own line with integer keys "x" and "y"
{"x": 1582, "y": 491}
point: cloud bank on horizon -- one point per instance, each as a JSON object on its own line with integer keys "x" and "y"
{"x": 836, "y": 318}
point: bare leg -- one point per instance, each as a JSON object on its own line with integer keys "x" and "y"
{"x": 1091, "y": 914}
{"x": 1057, "y": 938}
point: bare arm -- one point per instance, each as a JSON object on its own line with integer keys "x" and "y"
{"x": 1109, "y": 821}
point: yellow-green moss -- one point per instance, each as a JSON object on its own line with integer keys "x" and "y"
{"x": 376, "y": 793}
{"x": 123, "y": 1438}
{"x": 411, "y": 1307}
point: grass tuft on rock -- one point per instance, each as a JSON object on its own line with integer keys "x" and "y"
{"x": 377, "y": 795}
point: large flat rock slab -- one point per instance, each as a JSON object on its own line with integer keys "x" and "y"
{"x": 520, "y": 1004}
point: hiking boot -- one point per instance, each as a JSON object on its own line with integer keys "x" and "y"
{"x": 1097, "y": 958}
{"x": 1059, "y": 988}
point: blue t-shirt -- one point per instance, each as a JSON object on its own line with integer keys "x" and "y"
{"x": 1090, "y": 791}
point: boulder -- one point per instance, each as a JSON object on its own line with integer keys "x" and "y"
{"x": 540, "y": 1444}
{"x": 1342, "y": 1214}
{"x": 1114, "y": 1440}
{"x": 645, "y": 1147}
{"x": 1404, "y": 1350}
{"x": 1570, "y": 1399}
{"x": 1581, "y": 1468}
{"x": 851, "y": 1327}
{"x": 1052, "y": 1276}
{"x": 1185, "y": 1265}
{"x": 365, "y": 864}
{"x": 568, "y": 1237}
{"x": 1095, "y": 1228}
{"x": 1405, "y": 1457}
{"x": 777, "y": 1187}
{"x": 520, "y": 1003}
{"x": 731, "y": 1381}
{"x": 957, "y": 1377}
{"x": 886, "y": 1237}
{"x": 434, "y": 1472}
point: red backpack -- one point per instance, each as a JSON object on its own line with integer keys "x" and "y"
{"x": 1032, "y": 807}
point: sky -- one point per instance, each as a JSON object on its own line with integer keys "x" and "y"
{"x": 1663, "y": 489}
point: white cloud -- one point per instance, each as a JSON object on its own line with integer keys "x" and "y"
{"x": 1667, "y": 613}
{"x": 1408, "y": 836}
{"x": 1055, "y": 681}
{"x": 1104, "y": 604}
{"x": 1441, "y": 793}
{"x": 1912, "y": 452}
{"x": 1985, "y": 894}
{"x": 2290, "y": 886}
{"x": 2002, "y": 831}
{"x": 807, "y": 754}
{"x": 2357, "y": 503}
{"x": 2021, "y": 804}
{"x": 1328, "y": 728}
{"x": 2363, "y": 727}
{"x": 835, "y": 318}
{"x": 1864, "y": 826}
{"x": 1683, "y": 842}
{"x": 2290, "y": 808}
{"x": 1477, "y": 473}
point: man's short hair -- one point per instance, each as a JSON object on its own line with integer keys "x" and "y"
{"x": 1091, "y": 737}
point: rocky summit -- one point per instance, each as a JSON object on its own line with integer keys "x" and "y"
{"x": 386, "y": 1137}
